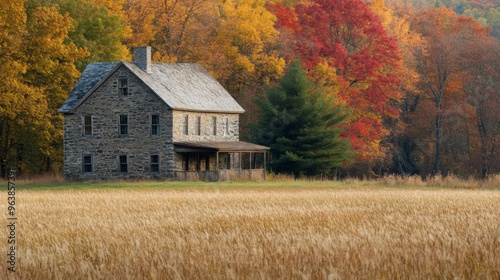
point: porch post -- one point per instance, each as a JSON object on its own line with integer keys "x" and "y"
{"x": 217, "y": 165}
{"x": 239, "y": 172}
{"x": 250, "y": 170}
{"x": 264, "y": 175}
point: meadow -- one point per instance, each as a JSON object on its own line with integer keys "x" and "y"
{"x": 269, "y": 230}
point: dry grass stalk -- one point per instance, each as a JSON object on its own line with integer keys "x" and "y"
{"x": 286, "y": 233}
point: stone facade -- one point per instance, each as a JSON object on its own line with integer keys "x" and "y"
{"x": 106, "y": 144}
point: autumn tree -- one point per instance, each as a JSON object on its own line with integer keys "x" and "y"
{"x": 234, "y": 40}
{"x": 302, "y": 126}
{"x": 485, "y": 12}
{"x": 481, "y": 84}
{"x": 396, "y": 19}
{"x": 139, "y": 15}
{"x": 32, "y": 90}
{"x": 13, "y": 103}
{"x": 93, "y": 27}
{"x": 347, "y": 41}
{"x": 442, "y": 67}
{"x": 177, "y": 30}
{"x": 244, "y": 53}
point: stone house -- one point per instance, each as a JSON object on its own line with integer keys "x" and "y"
{"x": 131, "y": 120}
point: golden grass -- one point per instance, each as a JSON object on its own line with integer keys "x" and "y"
{"x": 278, "y": 233}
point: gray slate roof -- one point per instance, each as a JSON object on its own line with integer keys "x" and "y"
{"x": 182, "y": 86}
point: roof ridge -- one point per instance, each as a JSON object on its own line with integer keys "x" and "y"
{"x": 189, "y": 88}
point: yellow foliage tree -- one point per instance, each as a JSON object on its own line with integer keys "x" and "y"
{"x": 234, "y": 39}
{"x": 40, "y": 72}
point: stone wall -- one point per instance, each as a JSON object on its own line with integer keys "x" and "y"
{"x": 206, "y": 133}
{"x": 105, "y": 145}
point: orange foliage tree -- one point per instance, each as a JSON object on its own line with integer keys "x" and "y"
{"x": 481, "y": 85}
{"x": 444, "y": 66}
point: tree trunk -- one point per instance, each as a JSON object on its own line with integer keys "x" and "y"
{"x": 484, "y": 143}
{"x": 437, "y": 162}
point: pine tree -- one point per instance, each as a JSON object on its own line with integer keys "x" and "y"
{"x": 300, "y": 124}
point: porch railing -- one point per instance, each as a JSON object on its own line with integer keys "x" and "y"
{"x": 221, "y": 175}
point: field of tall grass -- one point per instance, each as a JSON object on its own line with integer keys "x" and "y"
{"x": 270, "y": 230}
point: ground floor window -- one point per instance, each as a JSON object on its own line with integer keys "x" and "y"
{"x": 123, "y": 163}
{"x": 155, "y": 163}
{"x": 87, "y": 164}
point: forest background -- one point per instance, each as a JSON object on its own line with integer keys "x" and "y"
{"x": 419, "y": 78}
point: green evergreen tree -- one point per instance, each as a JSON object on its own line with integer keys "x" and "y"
{"x": 300, "y": 124}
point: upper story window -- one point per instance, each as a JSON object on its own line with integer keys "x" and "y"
{"x": 155, "y": 124}
{"x": 123, "y": 127}
{"x": 87, "y": 125}
{"x": 225, "y": 126}
{"x": 214, "y": 125}
{"x": 197, "y": 125}
{"x": 123, "y": 86}
{"x": 185, "y": 125}
{"x": 123, "y": 163}
{"x": 87, "y": 164}
{"x": 154, "y": 163}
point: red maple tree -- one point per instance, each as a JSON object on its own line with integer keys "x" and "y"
{"x": 350, "y": 38}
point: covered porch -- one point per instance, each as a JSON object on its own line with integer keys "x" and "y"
{"x": 219, "y": 161}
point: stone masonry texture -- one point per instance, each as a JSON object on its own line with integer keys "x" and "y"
{"x": 106, "y": 145}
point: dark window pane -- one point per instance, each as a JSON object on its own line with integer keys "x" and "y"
{"x": 123, "y": 86}
{"x": 87, "y": 164}
{"x": 123, "y": 164}
{"x": 185, "y": 125}
{"x": 123, "y": 124}
{"x": 155, "y": 124}
{"x": 155, "y": 163}
{"x": 214, "y": 125}
{"x": 197, "y": 125}
{"x": 87, "y": 125}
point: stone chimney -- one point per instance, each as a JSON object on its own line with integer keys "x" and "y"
{"x": 142, "y": 58}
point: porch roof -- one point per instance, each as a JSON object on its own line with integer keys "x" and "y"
{"x": 218, "y": 146}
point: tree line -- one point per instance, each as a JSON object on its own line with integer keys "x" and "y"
{"x": 412, "y": 85}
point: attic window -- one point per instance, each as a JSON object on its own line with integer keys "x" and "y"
{"x": 123, "y": 86}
